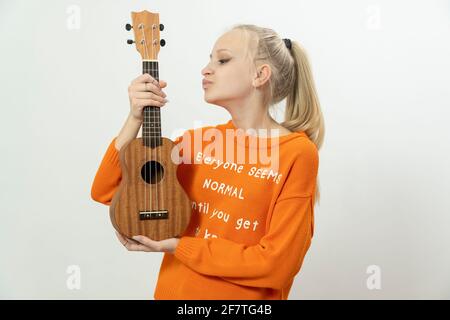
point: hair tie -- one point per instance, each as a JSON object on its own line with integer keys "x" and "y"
{"x": 288, "y": 43}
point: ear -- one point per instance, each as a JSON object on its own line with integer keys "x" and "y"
{"x": 263, "y": 75}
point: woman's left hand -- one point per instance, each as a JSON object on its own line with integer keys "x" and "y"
{"x": 142, "y": 243}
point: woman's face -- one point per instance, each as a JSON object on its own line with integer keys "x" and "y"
{"x": 229, "y": 71}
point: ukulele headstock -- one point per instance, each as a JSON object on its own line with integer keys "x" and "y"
{"x": 146, "y": 29}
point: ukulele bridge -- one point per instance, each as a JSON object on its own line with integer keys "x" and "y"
{"x": 153, "y": 215}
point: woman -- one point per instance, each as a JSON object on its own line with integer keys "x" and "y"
{"x": 251, "y": 224}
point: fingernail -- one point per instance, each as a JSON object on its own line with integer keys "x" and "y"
{"x": 165, "y": 100}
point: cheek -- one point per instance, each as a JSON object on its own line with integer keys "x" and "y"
{"x": 237, "y": 81}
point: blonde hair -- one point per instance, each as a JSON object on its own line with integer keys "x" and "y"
{"x": 291, "y": 78}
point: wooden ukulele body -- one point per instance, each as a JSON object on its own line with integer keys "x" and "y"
{"x": 149, "y": 200}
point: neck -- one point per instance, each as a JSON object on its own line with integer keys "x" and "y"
{"x": 151, "y": 125}
{"x": 261, "y": 124}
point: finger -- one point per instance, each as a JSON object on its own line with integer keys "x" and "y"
{"x": 148, "y": 95}
{"x": 146, "y": 87}
{"x": 137, "y": 247}
{"x": 142, "y": 78}
{"x": 162, "y": 83}
{"x": 124, "y": 240}
{"x": 145, "y": 78}
{"x": 149, "y": 243}
{"x": 150, "y": 79}
{"x": 147, "y": 103}
{"x": 152, "y": 244}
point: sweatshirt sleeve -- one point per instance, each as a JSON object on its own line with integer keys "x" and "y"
{"x": 279, "y": 255}
{"x": 109, "y": 174}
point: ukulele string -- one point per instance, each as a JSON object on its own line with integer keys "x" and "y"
{"x": 153, "y": 116}
{"x": 152, "y": 129}
{"x": 159, "y": 127}
{"x": 145, "y": 43}
{"x": 144, "y": 127}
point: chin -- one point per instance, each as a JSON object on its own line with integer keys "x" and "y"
{"x": 213, "y": 101}
{"x": 208, "y": 98}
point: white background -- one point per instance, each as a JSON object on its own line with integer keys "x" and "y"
{"x": 382, "y": 71}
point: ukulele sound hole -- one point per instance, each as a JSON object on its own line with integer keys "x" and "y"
{"x": 152, "y": 172}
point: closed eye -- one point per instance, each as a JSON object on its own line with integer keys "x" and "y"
{"x": 222, "y": 61}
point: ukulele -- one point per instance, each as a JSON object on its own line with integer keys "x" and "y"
{"x": 149, "y": 200}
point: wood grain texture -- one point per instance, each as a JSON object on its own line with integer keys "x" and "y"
{"x": 134, "y": 194}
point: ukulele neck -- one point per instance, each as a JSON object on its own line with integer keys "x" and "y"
{"x": 151, "y": 125}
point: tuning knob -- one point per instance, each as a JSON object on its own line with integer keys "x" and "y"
{"x": 161, "y": 27}
{"x": 128, "y": 27}
{"x": 129, "y": 41}
{"x": 162, "y": 42}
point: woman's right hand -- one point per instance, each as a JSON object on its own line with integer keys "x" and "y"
{"x": 145, "y": 91}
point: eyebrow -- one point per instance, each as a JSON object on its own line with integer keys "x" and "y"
{"x": 218, "y": 51}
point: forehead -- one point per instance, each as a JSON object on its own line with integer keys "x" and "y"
{"x": 233, "y": 41}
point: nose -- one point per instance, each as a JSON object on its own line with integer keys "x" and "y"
{"x": 206, "y": 70}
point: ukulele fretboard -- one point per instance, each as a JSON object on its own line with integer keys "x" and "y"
{"x": 151, "y": 127}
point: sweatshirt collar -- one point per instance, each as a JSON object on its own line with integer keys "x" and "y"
{"x": 251, "y": 141}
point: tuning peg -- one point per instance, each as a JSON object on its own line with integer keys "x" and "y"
{"x": 161, "y": 27}
{"x": 162, "y": 42}
{"x": 129, "y": 41}
{"x": 128, "y": 26}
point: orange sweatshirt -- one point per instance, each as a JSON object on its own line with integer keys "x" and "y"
{"x": 252, "y": 220}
